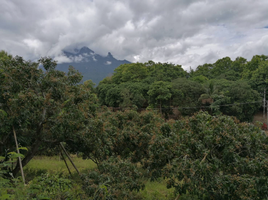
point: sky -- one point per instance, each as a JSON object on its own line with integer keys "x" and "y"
{"x": 184, "y": 32}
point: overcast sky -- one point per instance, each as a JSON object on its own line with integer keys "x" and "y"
{"x": 185, "y": 32}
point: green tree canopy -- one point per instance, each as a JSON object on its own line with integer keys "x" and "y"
{"x": 186, "y": 93}
{"x": 244, "y": 101}
{"x": 259, "y": 78}
{"x": 159, "y": 93}
{"x": 130, "y": 72}
{"x": 43, "y": 107}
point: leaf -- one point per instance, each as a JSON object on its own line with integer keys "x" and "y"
{"x": 15, "y": 155}
{"x": 23, "y": 148}
{"x": 3, "y": 113}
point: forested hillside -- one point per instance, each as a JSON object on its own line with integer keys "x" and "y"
{"x": 125, "y": 127}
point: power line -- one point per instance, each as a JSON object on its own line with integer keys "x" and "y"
{"x": 197, "y": 107}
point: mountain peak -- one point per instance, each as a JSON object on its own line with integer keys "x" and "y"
{"x": 91, "y": 65}
{"x": 85, "y": 50}
{"x": 110, "y": 55}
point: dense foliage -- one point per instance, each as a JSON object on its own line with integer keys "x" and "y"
{"x": 42, "y": 107}
{"x": 207, "y": 155}
{"x": 210, "y": 157}
{"x": 114, "y": 179}
{"x": 164, "y": 86}
{"x": 218, "y": 158}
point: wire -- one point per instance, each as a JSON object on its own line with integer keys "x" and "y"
{"x": 199, "y": 107}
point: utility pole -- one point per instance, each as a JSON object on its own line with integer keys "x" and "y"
{"x": 267, "y": 111}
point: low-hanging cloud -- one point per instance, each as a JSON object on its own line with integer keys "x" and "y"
{"x": 185, "y": 32}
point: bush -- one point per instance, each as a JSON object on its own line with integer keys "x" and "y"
{"x": 114, "y": 179}
{"x": 42, "y": 187}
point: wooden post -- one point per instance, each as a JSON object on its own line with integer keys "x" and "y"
{"x": 69, "y": 157}
{"x": 65, "y": 162}
{"x": 18, "y": 151}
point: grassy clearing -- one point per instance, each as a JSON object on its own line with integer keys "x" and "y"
{"x": 42, "y": 164}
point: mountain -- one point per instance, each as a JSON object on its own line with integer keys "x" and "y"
{"x": 91, "y": 65}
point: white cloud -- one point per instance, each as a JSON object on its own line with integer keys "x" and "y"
{"x": 62, "y": 59}
{"x": 186, "y": 32}
{"x": 93, "y": 57}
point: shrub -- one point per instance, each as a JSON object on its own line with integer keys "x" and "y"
{"x": 114, "y": 179}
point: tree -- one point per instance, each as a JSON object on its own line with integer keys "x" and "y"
{"x": 43, "y": 107}
{"x": 243, "y": 101}
{"x": 204, "y": 70}
{"x": 102, "y": 91}
{"x": 165, "y": 71}
{"x": 210, "y": 90}
{"x": 113, "y": 96}
{"x": 211, "y": 157}
{"x": 221, "y": 66}
{"x": 90, "y": 85}
{"x": 259, "y": 77}
{"x": 186, "y": 94}
{"x": 132, "y": 95}
{"x": 200, "y": 79}
{"x": 159, "y": 93}
{"x": 252, "y": 66}
{"x": 4, "y": 56}
{"x": 238, "y": 65}
{"x": 123, "y": 133}
{"x": 133, "y": 72}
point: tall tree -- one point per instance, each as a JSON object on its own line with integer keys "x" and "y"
{"x": 43, "y": 107}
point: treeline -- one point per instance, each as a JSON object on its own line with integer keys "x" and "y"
{"x": 229, "y": 87}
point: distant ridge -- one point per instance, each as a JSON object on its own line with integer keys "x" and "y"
{"x": 91, "y": 65}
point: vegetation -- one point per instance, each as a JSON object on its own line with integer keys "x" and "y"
{"x": 205, "y": 153}
{"x": 164, "y": 86}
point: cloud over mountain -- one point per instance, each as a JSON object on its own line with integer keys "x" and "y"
{"x": 90, "y": 64}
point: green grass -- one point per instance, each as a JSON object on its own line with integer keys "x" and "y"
{"x": 42, "y": 164}
{"x": 157, "y": 191}
{"x": 45, "y": 164}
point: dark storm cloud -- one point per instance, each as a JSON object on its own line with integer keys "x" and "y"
{"x": 187, "y": 32}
